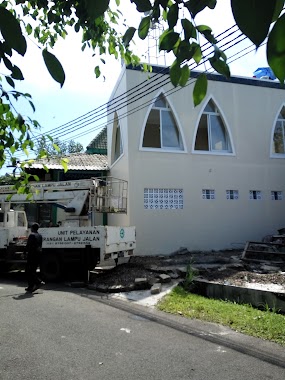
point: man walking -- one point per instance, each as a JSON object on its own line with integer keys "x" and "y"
{"x": 34, "y": 249}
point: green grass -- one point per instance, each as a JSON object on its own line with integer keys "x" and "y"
{"x": 243, "y": 318}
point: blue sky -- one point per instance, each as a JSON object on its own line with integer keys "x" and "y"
{"x": 82, "y": 92}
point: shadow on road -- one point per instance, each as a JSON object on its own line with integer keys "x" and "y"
{"x": 23, "y": 296}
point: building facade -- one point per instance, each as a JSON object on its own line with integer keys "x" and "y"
{"x": 206, "y": 178}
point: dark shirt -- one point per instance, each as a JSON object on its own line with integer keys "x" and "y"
{"x": 34, "y": 244}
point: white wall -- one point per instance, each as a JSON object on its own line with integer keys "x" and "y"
{"x": 249, "y": 112}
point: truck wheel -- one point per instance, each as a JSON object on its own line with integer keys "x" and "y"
{"x": 50, "y": 267}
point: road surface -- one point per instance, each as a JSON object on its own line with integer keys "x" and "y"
{"x": 64, "y": 334}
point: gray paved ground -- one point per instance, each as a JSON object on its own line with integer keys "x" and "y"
{"x": 66, "y": 334}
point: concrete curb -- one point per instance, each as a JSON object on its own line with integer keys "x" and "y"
{"x": 217, "y": 334}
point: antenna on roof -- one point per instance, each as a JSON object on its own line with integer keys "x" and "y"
{"x": 154, "y": 56}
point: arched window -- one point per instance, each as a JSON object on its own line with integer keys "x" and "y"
{"x": 117, "y": 140}
{"x": 161, "y": 130}
{"x": 278, "y": 145}
{"x": 212, "y": 135}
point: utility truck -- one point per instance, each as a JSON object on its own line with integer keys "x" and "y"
{"x": 76, "y": 242}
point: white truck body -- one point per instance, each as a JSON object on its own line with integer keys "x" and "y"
{"x": 77, "y": 238}
{"x": 113, "y": 242}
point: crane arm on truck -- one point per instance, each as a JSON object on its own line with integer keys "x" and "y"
{"x": 70, "y": 201}
{"x": 106, "y": 194}
{"x": 68, "y": 195}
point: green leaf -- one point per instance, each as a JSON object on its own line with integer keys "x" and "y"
{"x": 167, "y": 40}
{"x": 10, "y": 81}
{"x": 220, "y": 54}
{"x": 77, "y": 27}
{"x": 142, "y": 5}
{"x": 56, "y": 147}
{"x": 20, "y": 119}
{"x": 32, "y": 105}
{"x": 155, "y": 14}
{"x": 276, "y": 49}
{"x": 144, "y": 27}
{"x": 197, "y": 55}
{"x": 196, "y": 6}
{"x": 96, "y": 8}
{"x": 54, "y": 67}
{"x": 184, "y": 51}
{"x": 212, "y": 4}
{"x": 97, "y": 71}
{"x": 128, "y": 36}
{"x": 203, "y": 28}
{"x": 175, "y": 73}
{"x": 163, "y": 3}
{"x": 8, "y": 63}
{"x": 172, "y": 15}
{"x": 200, "y": 89}
{"x": 278, "y": 8}
{"x": 253, "y": 17}
{"x": 29, "y": 29}
{"x": 189, "y": 30}
{"x": 17, "y": 73}
{"x": 36, "y": 178}
{"x": 207, "y": 33}
{"x": 11, "y": 31}
{"x": 63, "y": 163}
{"x": 185, "y": 73}
{"x": 220, "y": 66}
{"x": 6, "y": 48}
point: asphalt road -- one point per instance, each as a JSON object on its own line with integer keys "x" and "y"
{"x": 65, "y": 334}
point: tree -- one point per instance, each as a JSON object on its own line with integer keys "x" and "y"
{"x": 6, "y": 180}
{"x": 47, "y": 146}
{"x": 98, "y": 22}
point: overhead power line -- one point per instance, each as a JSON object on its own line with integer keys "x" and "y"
{"x": 137, "y": 90}
{"x": 226, "y": 46}
{"x": 169, "y": 92}
{"x": 138, "y": 96}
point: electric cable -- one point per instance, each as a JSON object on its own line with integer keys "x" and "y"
{"x": 134, "y": 110}
{"x": 146, "y": 104}
{"x": 117, "y": 99}
{"x": 138, "y": 96}
{"x": 151, "y": 90}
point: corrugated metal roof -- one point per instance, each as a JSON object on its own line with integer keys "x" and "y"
{"x": 76, "y": 161}
{"x": 100, "y": 141}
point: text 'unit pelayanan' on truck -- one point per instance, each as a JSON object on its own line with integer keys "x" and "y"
{"x": 78, "y": 242}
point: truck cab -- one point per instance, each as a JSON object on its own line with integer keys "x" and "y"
{"x": 13, "y": 225}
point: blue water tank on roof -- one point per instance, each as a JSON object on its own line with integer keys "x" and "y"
{"x": 264, "y": 72}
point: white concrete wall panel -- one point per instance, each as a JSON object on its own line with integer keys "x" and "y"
{"x": 249, "y": 113}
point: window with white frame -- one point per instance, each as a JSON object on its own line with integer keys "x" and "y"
{"x": 163, "y": 199}
{"x": 278, "y": 144}
{"x": 232, "y": 194}
{"x": 208, "y": 194}
{"x": 212, "y": 135}
{"x": 255, "y": 194}
{"x": 161, "y": 130}
{"x": 276, "y": 195}
{"x": 117, "y": 150}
